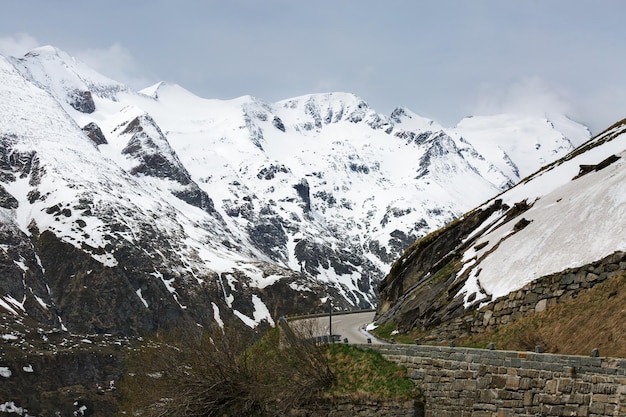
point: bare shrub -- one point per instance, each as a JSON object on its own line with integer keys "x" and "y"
{"x": 223, "y": 373}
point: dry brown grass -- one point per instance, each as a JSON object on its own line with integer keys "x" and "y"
{"x": 595, "y": 319}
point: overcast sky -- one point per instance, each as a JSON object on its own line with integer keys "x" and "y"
{"x": 443, "y": 59}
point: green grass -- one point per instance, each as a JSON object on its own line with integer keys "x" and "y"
{"x": 386, "y": 332}
{"x": 366, "y": 374}
{"x": 360, "y": 374}
{"x": 444, "y": 273}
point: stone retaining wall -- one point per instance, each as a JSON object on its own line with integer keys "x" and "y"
{"x": 534, "y": 297}
{"x": 460, "y": 382}
{"x": 355, "y": 408}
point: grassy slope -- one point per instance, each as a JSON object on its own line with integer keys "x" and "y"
{"x": 595, "y": 319}
{"x": 360, "y": 374}
{"x": 366, "y": 374}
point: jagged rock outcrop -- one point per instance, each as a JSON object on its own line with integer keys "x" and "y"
{"x": 93, "y": 131}
{"x": 82, "y": 101}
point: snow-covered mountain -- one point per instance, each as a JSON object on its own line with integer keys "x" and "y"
{"x": 568, "y": 215}
{"x": 123, "y": 211}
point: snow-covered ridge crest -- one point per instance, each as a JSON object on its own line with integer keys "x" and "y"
{"x": 182, "y": 202}
{"x": 67, "y": 78}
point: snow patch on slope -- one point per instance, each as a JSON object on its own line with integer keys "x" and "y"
{"x": 565, "y": 216}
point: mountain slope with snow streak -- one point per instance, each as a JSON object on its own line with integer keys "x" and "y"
{"x": 170, "y": 208}
{"x": 573, "y": 220}
{"x": 569, "y": 214}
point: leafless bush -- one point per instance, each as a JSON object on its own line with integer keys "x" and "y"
{"x": 221, "y": 373}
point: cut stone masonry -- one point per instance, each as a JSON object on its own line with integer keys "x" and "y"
{"x": 465, "y": 382}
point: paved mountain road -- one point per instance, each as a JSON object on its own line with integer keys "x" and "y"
{"x": 347, "y": 326}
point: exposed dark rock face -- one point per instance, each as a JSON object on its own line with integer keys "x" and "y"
{"x": 278, "y": 124}
{"x": 154, "y": 155}
{"x": 7, "y": 201}
{"x": 22, "y": 278}
{"x": 314, "y": 256}
{"x": 132, "y": 298}
{"x": 94, "y": 133}
{"x": 197, "y": 197}
{"x": 268, "y": 234}
{"x": 93, "y": 298}
{"x": 413, "y": 137}
{"x": 82, "y": 101}
{"x": 58, "y": 373}
{"x": 157, "y": 159}
{"x": 585, "y": 169}
{"x": 400, "y": 240}
{"x": 269, "y": 172}
{"x": 71, "y": 383}
{"x": 440, "y": 148}
{"x": 305, "y": 193}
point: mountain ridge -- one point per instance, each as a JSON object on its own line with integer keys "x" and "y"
{"x": 206, "y": 209}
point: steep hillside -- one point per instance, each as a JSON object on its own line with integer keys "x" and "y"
{"x": 548, "y": 237}
{"x": 126, "y": 211}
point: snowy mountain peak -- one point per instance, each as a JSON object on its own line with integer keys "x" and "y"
{"x": 169, "y": 91}
{"x": 67, "y": 78}
{"x": 314, "y": 111}
{"x": 153, "y": 90}
{"x": 405, "y": 119}
{"x": 520, "y": 144}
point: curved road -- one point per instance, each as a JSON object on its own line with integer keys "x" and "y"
{"x": 349, "y": 326}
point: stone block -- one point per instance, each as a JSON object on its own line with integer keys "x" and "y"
{"x": 497, "y": 381}
{"x": 550, "y": 386}
{"x": 582, "y": 411}
{"x": 596, "y": 408}
{"x": 604, "y": 388}
{"x": 525, "y": 383}
{"x": 541, "y": 305}
{"x": 564, "y": 385}
{"x": 483, "y": 382}
{"x": 513, "y": 363}
{"x": 532, "y": 298}
{"x": 504, "y": 413}
{"x": 568, "y": 279}
{"x": 479, "y": 413}
{"x": 548, "y": 410}
{"x": 512, "y": 383}
{"x": 418, "y": 374}
{"x": 528, "y": 398}
{"x": 580, "y": 399}
{"x": 485, "y": 407}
